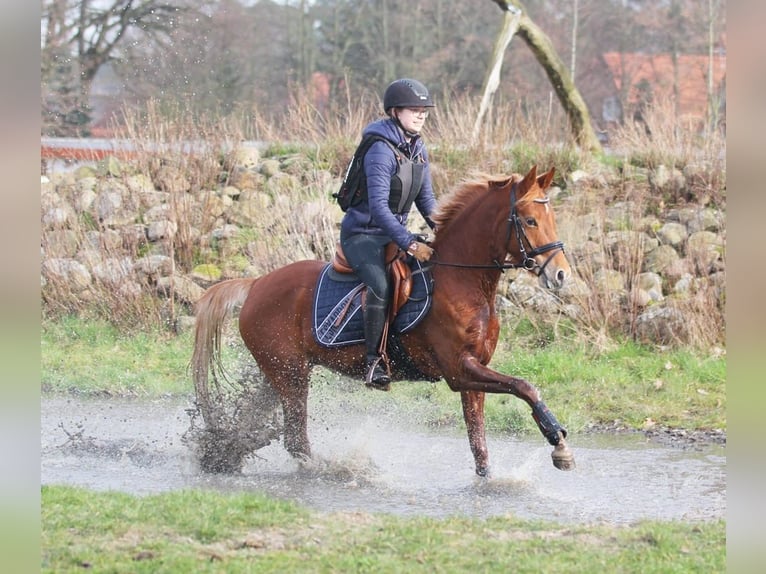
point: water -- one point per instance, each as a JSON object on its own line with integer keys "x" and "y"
{"x": 376, "y": 463}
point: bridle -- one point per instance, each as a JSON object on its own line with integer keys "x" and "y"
{"x": 528, "y": 258}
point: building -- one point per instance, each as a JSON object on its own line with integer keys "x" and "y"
{"x": 639, "y": 79}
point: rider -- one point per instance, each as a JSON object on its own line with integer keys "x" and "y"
{"x": 394, "y": 181}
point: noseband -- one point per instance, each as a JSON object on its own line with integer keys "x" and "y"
{"x": 527, "y": 258}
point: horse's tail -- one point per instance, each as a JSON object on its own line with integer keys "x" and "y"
{"x": 211, "y": 311}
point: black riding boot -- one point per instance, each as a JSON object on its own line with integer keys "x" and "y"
{"x": 374, "y": 321}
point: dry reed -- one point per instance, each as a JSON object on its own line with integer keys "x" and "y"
{"x": 512, "y": 140}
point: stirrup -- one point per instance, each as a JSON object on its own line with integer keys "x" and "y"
{"x": 377, "y": 376}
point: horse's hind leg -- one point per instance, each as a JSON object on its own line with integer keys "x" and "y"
{"x": 293, "y": 389}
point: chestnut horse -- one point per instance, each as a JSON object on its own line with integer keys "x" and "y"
{"x": 483, "y": 227}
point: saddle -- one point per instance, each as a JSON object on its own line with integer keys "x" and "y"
{"x": 401, "y": 283}
{"x": 398, "y": 270}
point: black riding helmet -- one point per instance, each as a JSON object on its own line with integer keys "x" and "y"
{"x": 406, "y": 93}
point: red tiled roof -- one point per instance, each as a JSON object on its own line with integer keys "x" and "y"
{"x": 658, "y": 70}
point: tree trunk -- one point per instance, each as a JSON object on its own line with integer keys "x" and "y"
{"x": 573, "y": 104}
{"x": 573, "y": 49}
{"x": 510, "y": 26}
{"x": 569, "y": 96}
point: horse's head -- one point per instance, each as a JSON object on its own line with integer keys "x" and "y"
{"x": 532, "y": 239}
{"x": 501, "y": 222}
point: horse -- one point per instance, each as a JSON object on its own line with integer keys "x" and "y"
{"x": 486, "y": 225}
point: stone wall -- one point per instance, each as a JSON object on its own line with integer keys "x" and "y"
{"x": 104, "y": 225}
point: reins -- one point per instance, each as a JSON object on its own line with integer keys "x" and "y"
{"x": 528, "y": 259}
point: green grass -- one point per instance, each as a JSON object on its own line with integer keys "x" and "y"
{"x": 93, "y": 357}
{"x": 632, "y": 385}
{"x": 194, "y": 531}
{"x": 200, "y": 531}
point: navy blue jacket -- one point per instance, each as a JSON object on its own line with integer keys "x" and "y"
{"x": 374, "y": 216}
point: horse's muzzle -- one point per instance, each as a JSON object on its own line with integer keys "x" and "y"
{"x": 553, "y": 277}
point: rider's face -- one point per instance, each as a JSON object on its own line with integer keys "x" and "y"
{"x": 412, "y": 119}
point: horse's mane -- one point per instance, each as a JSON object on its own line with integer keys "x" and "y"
{"x": 464, "y": 194}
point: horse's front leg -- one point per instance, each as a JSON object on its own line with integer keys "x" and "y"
{"x": 473, "y": 414}
{"x": 480, "y": 378}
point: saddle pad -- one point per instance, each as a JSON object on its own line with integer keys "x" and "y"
{"x": 337, "y": 313}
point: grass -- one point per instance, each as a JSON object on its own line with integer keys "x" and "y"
{"x": 94, "y": 357}
{"x": 193, "y": 531}
{"x": 205, "y": 531}
{"x": 633, "y": 385}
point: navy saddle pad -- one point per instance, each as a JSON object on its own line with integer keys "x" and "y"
{"x": 337, "y": 313}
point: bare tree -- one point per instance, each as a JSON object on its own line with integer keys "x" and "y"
{"x": 79, "y": 37}
{"x": 715, "y": 23}
{"x": 573, "y": 50}
{"x": 546, "y": 55}
{"x": 510, "y": 27}
{"x": 226, "y": 55}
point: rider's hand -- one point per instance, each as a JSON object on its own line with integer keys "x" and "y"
{"x": 420, "y": 251}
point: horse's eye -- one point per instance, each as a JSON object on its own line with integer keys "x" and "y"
{"x": 531, "y": 222}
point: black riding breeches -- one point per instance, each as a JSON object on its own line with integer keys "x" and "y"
{"x": 366, "y": 255}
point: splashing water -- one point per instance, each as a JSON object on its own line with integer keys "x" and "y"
{"x": 375, "y": 463}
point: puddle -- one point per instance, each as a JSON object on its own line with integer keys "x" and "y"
{"x": 379, "y": 464}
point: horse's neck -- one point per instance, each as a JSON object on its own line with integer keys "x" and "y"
{"x": 470, "y": 264}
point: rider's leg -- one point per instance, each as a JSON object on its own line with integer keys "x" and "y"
{"x": 366, "y": 255}
{"x": 374, "y": 323}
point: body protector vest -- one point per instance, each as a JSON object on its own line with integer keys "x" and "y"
{"x": 405, "y": 185}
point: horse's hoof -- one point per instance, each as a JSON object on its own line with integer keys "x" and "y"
{"x": 562, "y": 456}
{"x": 483, "y": 472}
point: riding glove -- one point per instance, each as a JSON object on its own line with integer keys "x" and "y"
{"x": 420, "y": 251}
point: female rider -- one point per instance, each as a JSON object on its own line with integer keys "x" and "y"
{"x": 398, "y": 175}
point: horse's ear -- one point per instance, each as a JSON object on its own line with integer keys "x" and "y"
{"x": 501, "y": 183}
{"x": 526, "y": 183}
{"x": 544, "y": 180}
